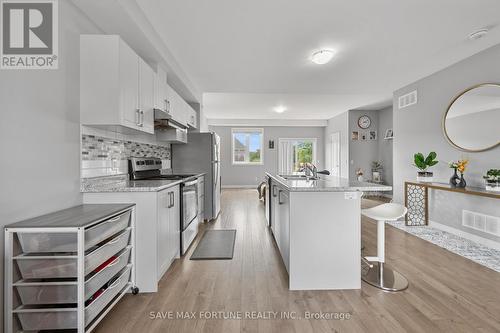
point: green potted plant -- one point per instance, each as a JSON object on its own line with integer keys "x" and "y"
{"x": 423, "y": 163}
{"x": 492, "y": 179}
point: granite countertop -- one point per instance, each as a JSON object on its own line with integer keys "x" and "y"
{"x": 125, "y": 185}
{"x": 328, "y": 184}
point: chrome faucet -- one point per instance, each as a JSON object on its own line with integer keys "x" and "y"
{"x": 311, "y": 170}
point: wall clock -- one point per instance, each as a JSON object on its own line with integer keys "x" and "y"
{"x": 364, "y": 122}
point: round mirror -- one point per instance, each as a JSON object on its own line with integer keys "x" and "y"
{"x": 472, "y": 120}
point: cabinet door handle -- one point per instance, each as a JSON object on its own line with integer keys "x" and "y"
{"x": 274, "y": 193}
{"x": 279, "y": 197}
{"x": 138, "y": 117}
{"x": 173, "y": 199}
{"x": 142, "y": 118}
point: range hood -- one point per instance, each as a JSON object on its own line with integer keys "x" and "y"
{"x": 170, "y": 131}
{"x": 164, "y": 119}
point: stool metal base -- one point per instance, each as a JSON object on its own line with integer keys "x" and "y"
{"x": 383, "y": 277}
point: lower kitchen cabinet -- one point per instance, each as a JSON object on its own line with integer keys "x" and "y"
{"x": 168, "y": 228}
{"x": 284, "y": 225}
{"x": 281, "y": 221}
{"x": 157, "y": 232}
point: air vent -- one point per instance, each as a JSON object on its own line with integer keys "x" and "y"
{"x": 407, "y": 100}
{"x": 485, "y": 223}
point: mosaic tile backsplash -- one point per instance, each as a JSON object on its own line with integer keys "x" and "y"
{"x": 102, "y": 156}
{"x": 99, "y": 148}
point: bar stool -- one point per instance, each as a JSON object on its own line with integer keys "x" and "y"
{"x": 378, "y": 274}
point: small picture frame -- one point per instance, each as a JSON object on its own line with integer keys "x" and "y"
{"x": 376, "y": 177}
{"x": 389, "y": 134}
{"x": 373, "y": 135}
{"x": 271, "y": 144}
{"x": 364, "y": 136}
{"x": 355, "y": 136}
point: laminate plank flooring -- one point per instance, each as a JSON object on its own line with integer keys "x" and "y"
{"x": 447, "y": 293}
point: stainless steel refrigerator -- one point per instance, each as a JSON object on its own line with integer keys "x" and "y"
{"x": 201, "y": 154}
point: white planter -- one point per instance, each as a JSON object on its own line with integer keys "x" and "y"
{"x": 425, "y": 176}
{"x": 493, "y": 186}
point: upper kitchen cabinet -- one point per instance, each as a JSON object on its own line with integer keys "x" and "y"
{"x": 116, "y": 86}
{"x": 192, "y": 117}
{"x": 162, "y": 108}
{"x": 178, "y": 107}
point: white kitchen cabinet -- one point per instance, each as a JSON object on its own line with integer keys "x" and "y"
{"x": 201, "y": 199}
{"x": 318, "y": 234}
{"x": 178, "y": 106}
{"x": 116, "y": 86}
{"x": 151, "y": 250}
{"x": 168, "y": 228}
{"x": 192, "y": 117}
{"x": 146, "y": 96}
{"x": 160, "y": 93}
{"x": 275, "y": 224}
{"x": 284, "y": 225}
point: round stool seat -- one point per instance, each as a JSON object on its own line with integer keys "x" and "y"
{"x": 385, "y": 212}
{"x": 378, "y": 274}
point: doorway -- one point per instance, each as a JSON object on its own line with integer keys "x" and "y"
{"x": 335, "y": 154}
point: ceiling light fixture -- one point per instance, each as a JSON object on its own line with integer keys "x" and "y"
{"x": 478, "y": 34}
{"x": 280, "y": 109}
{"x": 322, "y": 57}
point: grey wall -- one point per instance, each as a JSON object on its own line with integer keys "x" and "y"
{"x": 234, "y": 175}
{"x": 418, "y": 128}
{"x": 362, "y": 153}
{"x": 40, "y": 126}
{"x": 339, "y": 123}
{"x": 385, "y": 146}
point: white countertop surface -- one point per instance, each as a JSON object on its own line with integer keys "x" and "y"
{"x": 328, "y": 184}
{"x": 137, "y": 185}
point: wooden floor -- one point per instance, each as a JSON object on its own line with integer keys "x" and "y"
{"x": 447, "y": 293}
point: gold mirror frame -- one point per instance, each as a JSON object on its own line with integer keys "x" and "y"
{"x": 448, "y": 109}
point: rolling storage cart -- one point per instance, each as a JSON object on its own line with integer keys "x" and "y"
{"x": 67, "y": 269}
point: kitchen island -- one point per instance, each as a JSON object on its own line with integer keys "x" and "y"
{"x": 317, "y": 227}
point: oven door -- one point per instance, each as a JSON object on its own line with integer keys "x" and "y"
{"x": 189, "y": 203}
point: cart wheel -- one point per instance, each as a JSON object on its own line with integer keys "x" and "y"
{"x": 135, "y": 290}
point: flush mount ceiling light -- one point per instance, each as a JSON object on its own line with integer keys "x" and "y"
{"x": 478, "y": 34}
{"x": 322, "y": 57}
{"x": 280, "y": 109}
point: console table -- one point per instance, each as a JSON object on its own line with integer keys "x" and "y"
{"x": 417, "y": 196}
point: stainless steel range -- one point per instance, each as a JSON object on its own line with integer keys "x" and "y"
{"x": 150, "y": 169}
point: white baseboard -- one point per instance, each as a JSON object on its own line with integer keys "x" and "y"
{"x": 240, "y": 186}
{"x": 475, "y": 238}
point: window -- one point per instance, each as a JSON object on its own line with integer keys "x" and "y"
{"x": 295, "y": 153}
{"x": 247, "y": 145}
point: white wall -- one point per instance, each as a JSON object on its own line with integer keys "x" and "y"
{"x": 40, "y": 131}
{"x": 418, "y": 129}
{"x": 362, "y": 153}
{"x": 339, "y": 123}
{"x": 246, "y": 175}
{"x": 385, "y": 146}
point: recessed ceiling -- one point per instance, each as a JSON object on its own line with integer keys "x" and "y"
{"x": 260, "y": 50}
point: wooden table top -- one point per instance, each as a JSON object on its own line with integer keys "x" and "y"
{"x": 467, "y": 190}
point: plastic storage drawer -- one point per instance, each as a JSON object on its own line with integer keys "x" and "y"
{"x": 46, "y": 267}
{"x": 66, "y": 318}
{"x": 66, "y": 242}
{"x": 33, "y": 293}
{"x": 94, "y": 308}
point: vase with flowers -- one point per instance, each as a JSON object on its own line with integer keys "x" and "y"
{"x": 359, "y": 174}
{"x": 492, "y": 179}
{"x": 458, "y": 166}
